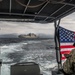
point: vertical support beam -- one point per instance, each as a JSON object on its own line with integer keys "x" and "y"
{"x": 55, "y": 12}
{"x": 26, "y": 6}
{"x": 42, "y": 9}
{"x": 0, "y": 65}
{"x": 0, "y": 69}
{"x": 65, "y": 13}
{"x": 59, "y": 2}
{"x": 0, "y": 61}
{"x": 57, "y": 44}
{"x": 10, "y": 7}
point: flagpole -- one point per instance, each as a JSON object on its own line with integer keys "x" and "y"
{"x": 58, "y": 37}
{"x": 0, "y": 61}
{"x": 0, "y": 65}
{"x": 57, "y": 44}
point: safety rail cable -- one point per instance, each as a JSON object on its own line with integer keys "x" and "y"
{"x": 31, "y": 6}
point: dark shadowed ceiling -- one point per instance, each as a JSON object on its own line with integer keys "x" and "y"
{"x": 44, "y": 11}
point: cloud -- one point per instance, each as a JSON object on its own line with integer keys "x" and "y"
{"x": 68, "y": 22}
{"x": 24, "y": 28}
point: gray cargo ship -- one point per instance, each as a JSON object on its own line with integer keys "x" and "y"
{"x": 30, "y": 35}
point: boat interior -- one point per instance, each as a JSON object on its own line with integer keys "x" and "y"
{"x": 38, "y": 11}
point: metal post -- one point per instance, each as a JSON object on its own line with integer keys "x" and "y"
{"x": 10, "y": 7}
{"x": 0, "y": 65}
{"x": 0, "y": 61}
{"x": 57, "y": 44}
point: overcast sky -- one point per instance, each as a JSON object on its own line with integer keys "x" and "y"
{"x": 24, "y": 28}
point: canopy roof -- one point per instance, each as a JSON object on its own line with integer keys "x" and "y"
{"x": 44, "y": 11}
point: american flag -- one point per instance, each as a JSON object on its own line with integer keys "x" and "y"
{"x": 67, "y": 39}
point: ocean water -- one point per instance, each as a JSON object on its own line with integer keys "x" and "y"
{"x": 41, "y": 52}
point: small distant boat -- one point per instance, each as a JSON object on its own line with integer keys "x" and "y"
{"x": 30, "y": 35}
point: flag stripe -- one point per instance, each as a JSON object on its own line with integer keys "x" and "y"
{"x": 67, "y": 43}
{"x": 67, "y": 46}
{"x": 63, "y": 58}
{"x": 66, "y": 49}
{"x": 65, "y": 52}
